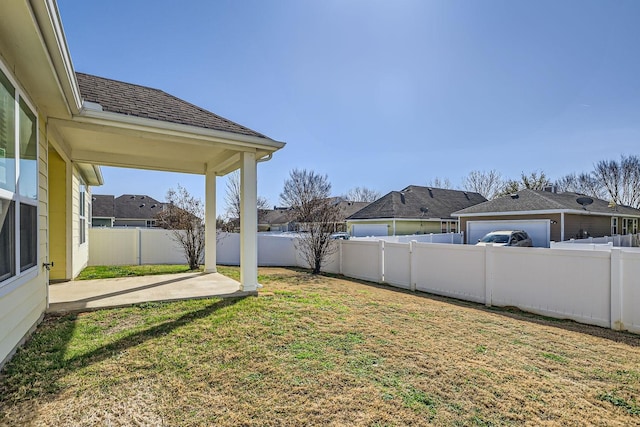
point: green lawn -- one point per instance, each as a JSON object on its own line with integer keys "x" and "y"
{"x": 112, "y": 271}
{"x": 317, "y": 350}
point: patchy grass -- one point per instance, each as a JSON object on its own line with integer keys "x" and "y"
{"x": 317, "y": 350}
{"x": 113, "y": 271}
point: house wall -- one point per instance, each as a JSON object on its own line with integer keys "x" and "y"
{"x": 80, "y": 251}
{"x": 595, "y": 226}
{"x": 555, "y": 231}
{"x": 57, "y": 215}
{"x": 23, "y": 302}
{"x": 403, "y": 227}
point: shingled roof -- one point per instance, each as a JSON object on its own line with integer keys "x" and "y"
{"x": 419, "y": 202}
{"x": 103, "y": 206}
{"x": 534, "y": 200}
{"x": 141, "y": 101}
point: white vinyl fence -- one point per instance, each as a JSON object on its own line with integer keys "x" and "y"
{"x": 599, "y": 287}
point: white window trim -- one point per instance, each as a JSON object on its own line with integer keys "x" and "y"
{"x": 22, "y": 277}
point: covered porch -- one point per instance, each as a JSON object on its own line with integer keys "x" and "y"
{"x": 126, "y": 125}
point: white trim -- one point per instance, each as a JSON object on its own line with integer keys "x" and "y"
{"x": 545, "y": 212}
{"x": 139, "y": 123}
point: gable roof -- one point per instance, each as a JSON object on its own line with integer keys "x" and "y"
{"x": 275, "y": 216}
{"x": 419, "y": 202}
{"x": 535, "y": 200}
{"x": 103, "y": 206}
{"x": 141, "y": 101}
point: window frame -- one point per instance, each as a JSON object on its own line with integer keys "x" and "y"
{"x": 21, "y": 275}
{"x": 82, "y": 211}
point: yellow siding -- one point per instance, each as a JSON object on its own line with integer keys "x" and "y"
{"x": 57, "y": 216}
{"x": 22, "y": 308}
{"x": 403, "y": 227}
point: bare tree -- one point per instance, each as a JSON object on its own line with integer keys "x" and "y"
{"x": 621, "y": 180}
{"x": 490, "y": 184}
{"x": 583, "y": 183}
{"x": 184, "y": 216}
{"x": 232, "y": 198}
{"x": 440, "y": 183}
{"x": 308, "y": 196}
{"x": 533, "y": 181}
{"x": 361, "y": 194}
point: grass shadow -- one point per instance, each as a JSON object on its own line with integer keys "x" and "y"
{"x": 35, "y": 371}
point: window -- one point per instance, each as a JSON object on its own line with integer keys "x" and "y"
{"x": 18, "y": 182}
{"x": 83, "y": 212}
{"x": 614, "y": 226}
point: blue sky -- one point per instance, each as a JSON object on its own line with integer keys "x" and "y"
{"x": 381, "y": 94}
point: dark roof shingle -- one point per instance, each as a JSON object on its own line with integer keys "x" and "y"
{"x": 535, "y": 200}
{"x": 419, "y": 202}
{"x": 141, "y": 101}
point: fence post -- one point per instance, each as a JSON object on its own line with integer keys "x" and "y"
{"x": 381, "y": 261}
{"x": 139, "y": 236}
{"x": 616, "y": 289}
{"x": 488, "y": 273}
{"x": 339, "y": 255}
{"x": 412, "y": 273}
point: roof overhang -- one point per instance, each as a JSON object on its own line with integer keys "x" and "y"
{"x": 111, "y": 139}
{"x": 542, "y": 212}
{"x": 33, "y": 45}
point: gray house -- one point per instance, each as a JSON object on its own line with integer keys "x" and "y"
{"x": 572, "y": 215}
{"x": 414, "y": 210}
{"x": 128, "y": 210}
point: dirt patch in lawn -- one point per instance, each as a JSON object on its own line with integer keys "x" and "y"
{"x": 315, "y": 350}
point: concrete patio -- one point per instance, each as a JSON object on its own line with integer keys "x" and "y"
{"x": 86, "y": 295}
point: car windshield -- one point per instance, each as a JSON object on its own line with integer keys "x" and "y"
{"x": 495, "y": 238}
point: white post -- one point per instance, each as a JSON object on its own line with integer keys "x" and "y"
{"x": 210, "y": 222}
{"x": 617, "y": 320}
{"x": 562, "y": 226}
{"x": 412, "y": 266}
{"x": 489, "y": 262}
{"x": 248, "y": 222}
{"x": 381, "y": 261}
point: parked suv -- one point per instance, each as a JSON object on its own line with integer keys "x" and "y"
{"x": 506, "y": 238}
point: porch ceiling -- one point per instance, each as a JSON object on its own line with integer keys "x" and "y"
{"x": 109, "y": 139}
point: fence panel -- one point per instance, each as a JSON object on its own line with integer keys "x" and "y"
{"x": 397, "y": 264}
{"x": 560, "y": 283}
{"x": 361, "y": 260}
{"x": 276, "y": 250}
{"x": 631, "y": 290}
{"x": 451, "y": 270}
{"x": 113, "y": 246}
{"x": 158, "y": 246}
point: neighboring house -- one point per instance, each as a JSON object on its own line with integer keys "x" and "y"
{"x": 414, "y": 210}
{"x": 281, "y": 218}
{"x": 128, "y": 210}
{"x": 58, "y": 126}
{"x": 572, "y": 215}
{"x": 276, "y": 219}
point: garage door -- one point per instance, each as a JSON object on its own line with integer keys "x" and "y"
{"x": 538, "y": 229}
{"x": 364, "y": 230}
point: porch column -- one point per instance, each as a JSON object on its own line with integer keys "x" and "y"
{"x": 248, "y": 222}
{"x": 210, "y": 222}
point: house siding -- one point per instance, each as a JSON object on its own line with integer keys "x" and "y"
{"x": 80, "y": 251}
{"x": 57, "y": 216}
{"x": 403, "y": 227}
{"x": 23, "y": 308}
{"x": 595, "y": 226}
